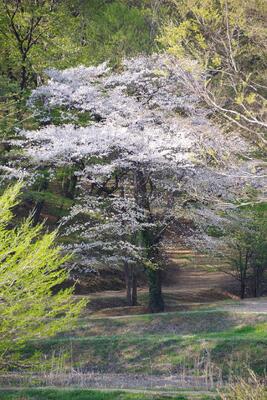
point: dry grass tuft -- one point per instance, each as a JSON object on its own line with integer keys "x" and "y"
{"x": 246, "y": 389}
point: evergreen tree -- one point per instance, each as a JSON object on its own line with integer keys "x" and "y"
{"x": 31, "y": 305}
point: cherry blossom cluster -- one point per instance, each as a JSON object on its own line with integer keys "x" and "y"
{"x": 143, "y": 119}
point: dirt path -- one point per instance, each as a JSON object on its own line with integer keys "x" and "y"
{"x": 129, "y": 382}
{"x": 258, "y": 306}
{"x": 187, "y": 281}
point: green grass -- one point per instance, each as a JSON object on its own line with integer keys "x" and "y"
{"x": 59, "y": 394}
{"x": 159, "y": 344}
{"x": 164, "y": 343}
{"x": 180, "y": 323}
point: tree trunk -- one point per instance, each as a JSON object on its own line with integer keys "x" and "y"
{"x": 127, "y": 284}
{"x": 134, "y": 288}
{"x": 243, "y": 265}
{"x": 23, "y": 78}
{"x": 147, "y": 240}
{"x": 257, "y": 280}
{"x": 156, "y": 303}
{"x": 37, "y": 212}
{"x": 242, "y": 289}
{"x": 23, "y": 72}
{"x": 131, "y": 285}
{"x": 70, "y": 186}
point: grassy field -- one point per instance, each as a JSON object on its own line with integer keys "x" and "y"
{"x": 74, "y": 394}
{"x": 183, "y": 349}
{"x": 151, "y": 356}
{"x": 164, "y": 344}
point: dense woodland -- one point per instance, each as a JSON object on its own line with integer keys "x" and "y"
{"x": 127, "y": 128}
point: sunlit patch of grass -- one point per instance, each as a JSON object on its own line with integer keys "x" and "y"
{"x": 180, "y": 323}
{"x": 256, "y": 332}
{"x": 74, "y": 394}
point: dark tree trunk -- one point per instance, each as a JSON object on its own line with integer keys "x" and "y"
{"x": 134, "y": 288}
{"x": 257, "y": 281}
{"x": 70, "y": 187}
{"x": 243, "y": 272}
{"x": 256, "y": 291}
{"x": 23, "y": 78}
{"x": 23, "y": 71}
{"x": 37, "y": 212}
{"x": 242, "y": 289}
{"x": 255, "y": 284}
{"x": 141, "y": 196}
{"x": 128, "y": 292}
{"x": 131, "y": 285}
{"x": 147, "y": 240}
{"x": 156, "y": 303}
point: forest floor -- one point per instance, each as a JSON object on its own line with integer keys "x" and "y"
{"x": 205, "y": 337}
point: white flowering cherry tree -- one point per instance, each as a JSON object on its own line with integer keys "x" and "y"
{"x": 148, "y": 151}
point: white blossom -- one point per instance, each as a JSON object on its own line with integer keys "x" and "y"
{"x": 142, "y": 119}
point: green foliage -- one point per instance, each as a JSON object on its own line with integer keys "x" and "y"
{"x": 115, "y": 30}
{"x": 247, "y": 244}
{"x": 207, "y": 30}
{"x": 50, "y": 198}
{"x": 243, "y": 247}
{"x": 63, "y": 115}
{"x": 228, "y": 40}
{"x": 32, "y": 33}
{"x": 41, "y": 34}
{"x": 31, "y": 269}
